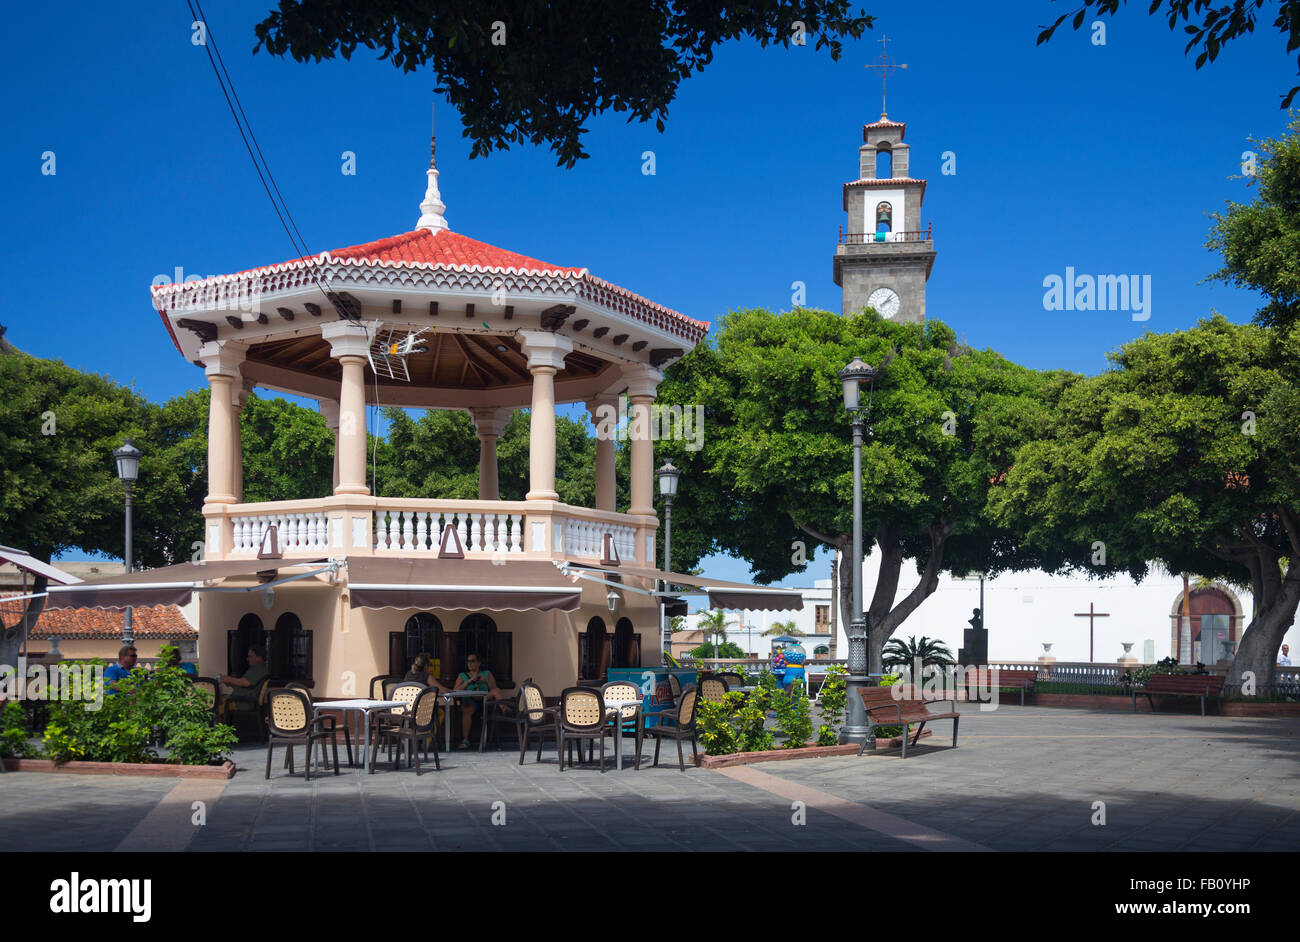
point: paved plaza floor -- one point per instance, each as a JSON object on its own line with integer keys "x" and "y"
{"x": 1023, "y": 778}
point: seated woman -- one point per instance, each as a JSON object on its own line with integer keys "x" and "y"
{"x": 473, "y": 678}
{"x": 420, "y": 671}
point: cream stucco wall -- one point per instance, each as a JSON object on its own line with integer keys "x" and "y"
{"x": 351, "y": 645}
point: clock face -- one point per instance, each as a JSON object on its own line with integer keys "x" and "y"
{"x": 885, "y": 301}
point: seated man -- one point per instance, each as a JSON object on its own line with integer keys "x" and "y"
{"x": 172, "y": 658}
{"x": 242, "y": 692}
{"x": 126, "y": 659}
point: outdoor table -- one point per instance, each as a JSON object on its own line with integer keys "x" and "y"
{"x": 615, "y": 705}
{"x": 459, "y": 694}
{"x": 746, "y": 689}
{"x": 364, "y": 707}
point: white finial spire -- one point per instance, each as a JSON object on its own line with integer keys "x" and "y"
{"x": 432, "y": 208}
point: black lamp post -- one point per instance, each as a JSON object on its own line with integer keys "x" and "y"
{"x": 855, "y": 724}
{"x": 668, "y": 476}
{"x": 128, "y": 469}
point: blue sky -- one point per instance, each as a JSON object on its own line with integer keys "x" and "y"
{"x": 1102, "y": 158}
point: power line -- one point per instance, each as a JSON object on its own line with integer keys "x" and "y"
{"x": 260, "y": 163}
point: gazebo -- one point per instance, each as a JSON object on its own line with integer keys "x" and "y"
{"x": 353, "y": 584}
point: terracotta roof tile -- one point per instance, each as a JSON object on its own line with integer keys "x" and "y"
{"x": 444, "y": 248}
{"x": 147, "y": 621}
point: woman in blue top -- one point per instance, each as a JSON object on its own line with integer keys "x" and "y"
{"x": 472, "y": 678}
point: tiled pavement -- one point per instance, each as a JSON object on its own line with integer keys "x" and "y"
{"x": 1022, "y": 779}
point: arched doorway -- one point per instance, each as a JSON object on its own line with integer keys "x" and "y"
{"x": 422, "y": 635}
{"x": 1214, "y": 625}
{"x": 249, "y": 632}
{"x": 290, "y": 654}
{"x": 625, "y": 649}
{"x": 478, "y": 633}
{"x": 593, "y": 651}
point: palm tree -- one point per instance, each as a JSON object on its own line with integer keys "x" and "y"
{"x": 714, "y": 623}
{"x": 784, "y": 628}
{"x": 929, "y": 652}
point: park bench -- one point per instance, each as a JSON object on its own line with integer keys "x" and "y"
{"x": 984, "y": 678}
{"x": 1182, "y": 685}
{"x": 884, "y": 710}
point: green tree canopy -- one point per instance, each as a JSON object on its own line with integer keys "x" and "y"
{"x": 529, "y": 70}
{"x": 775, "y": 471}
{"x": 1183, "y": 453}
{"x": 1260, "y": 240}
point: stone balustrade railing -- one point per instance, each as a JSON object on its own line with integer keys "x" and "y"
{"x": 413, "y": 526}
{"x": 298, "y": 532}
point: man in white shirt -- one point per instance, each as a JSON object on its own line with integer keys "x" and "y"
{"x": 1284, "y": 659}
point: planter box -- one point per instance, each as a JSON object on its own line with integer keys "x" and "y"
{"x": 807, "y": 752}
{"x": 155, "y": 769}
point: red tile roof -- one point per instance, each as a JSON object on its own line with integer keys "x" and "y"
{"x": 884, "y": 122}
{"x": 147, "y": 621}
{"x": 443, "y": 248}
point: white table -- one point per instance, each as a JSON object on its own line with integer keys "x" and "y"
{"x": 463, "y": 694}
{"x": 615, "y": 705}
{"x": 364, "y": 707}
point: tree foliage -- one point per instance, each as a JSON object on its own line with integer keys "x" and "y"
{"x": 1260, "y": 241}
{"x": 1208, "y": 26}
{"x": 527, "y": 70}
{"x": 775, "y": 471}
{"x": 1183, "y": 453}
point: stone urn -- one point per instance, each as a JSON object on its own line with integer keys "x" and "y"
{"x": 1128, "y": 647}
{"x": 1047, "y": 648}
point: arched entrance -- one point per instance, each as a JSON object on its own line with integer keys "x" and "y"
{"x": 249, "y": 632}
{"x": 593, "y": 651}
{"x": 290, "y": 654}
{"x": 1214, "y": 625}
{"x": 478, "y": 634}
{"x": 625, "y": 649}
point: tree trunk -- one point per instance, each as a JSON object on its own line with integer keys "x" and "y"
{"x": 1275, "y": 613}
{"x": 11, "y": 637}
{"x": 884, "y": 625}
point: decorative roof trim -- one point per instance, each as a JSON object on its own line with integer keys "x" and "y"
{"x": 243, "y": 291}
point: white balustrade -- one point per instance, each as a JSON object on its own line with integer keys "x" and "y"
{"x": 298, "y": 533}
{"x": 420, "y": 531}
{"x": 586, "y": 538}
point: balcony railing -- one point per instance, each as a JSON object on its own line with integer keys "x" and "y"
{"x": 864, "y": 238}
{"x": 415, "y": 526}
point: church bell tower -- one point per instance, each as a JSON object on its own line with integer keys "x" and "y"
{"x": 884, "y": 256}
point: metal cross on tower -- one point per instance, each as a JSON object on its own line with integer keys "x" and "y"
{"x": 884, "y": 65}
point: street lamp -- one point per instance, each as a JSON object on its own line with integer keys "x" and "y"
{"x": 128, "y": 469}
{"x": 668, "y": 476}
{"x": 855, "y": 727}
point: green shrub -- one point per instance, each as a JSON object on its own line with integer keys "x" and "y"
{"x": 793, "y": 716}
{"x": 143, "y": 710}
{"x": 831, "y": 700}
{"x": 717, "y": 734}
{"x": 196, "y": 744}
{"x": 14, "y": 740}
{"x": 889, "y": 732}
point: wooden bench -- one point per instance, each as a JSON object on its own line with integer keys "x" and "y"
{"x": 984, "y": 678}
{"x": 1182, "y": 685}
{"x": 902, "y": 712}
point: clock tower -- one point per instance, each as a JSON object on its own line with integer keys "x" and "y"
{"x": 884, "y": 258}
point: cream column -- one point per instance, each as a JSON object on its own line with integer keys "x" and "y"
{"x": 604, "y": 415}
{"x": 221, "y": 361}
{"x": 330, "y": 409}
{"x": 642, "y": 382}
{"x": 237, "y": 445}
{"x": 349, "y": 345}
{"x": 489, "y": 424}
{"x": 546, "y": 352}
